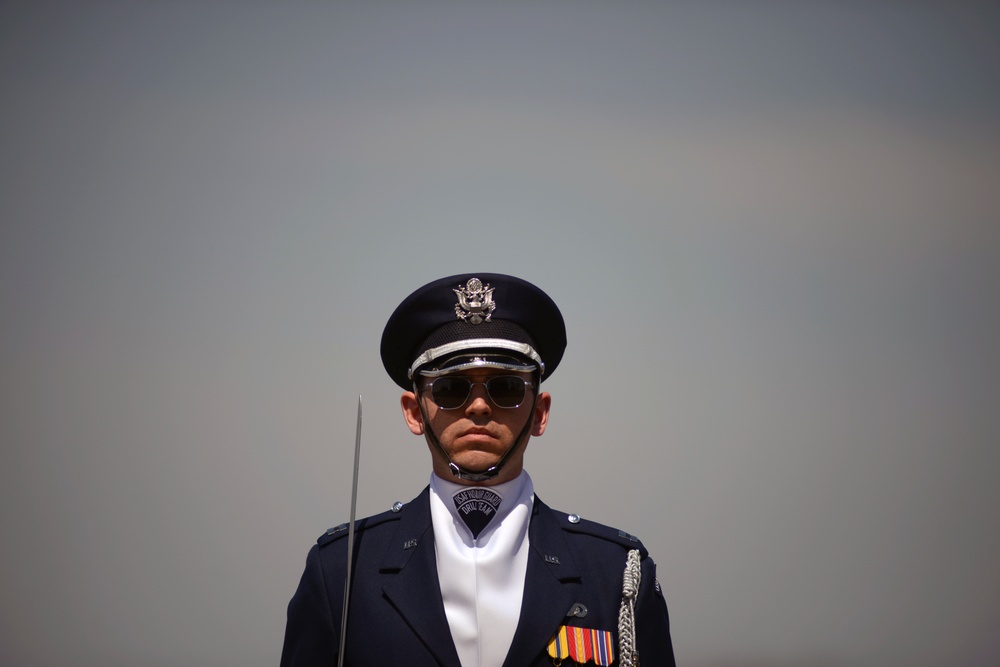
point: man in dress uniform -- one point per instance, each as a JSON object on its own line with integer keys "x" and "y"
{"x": 477, "y": 571}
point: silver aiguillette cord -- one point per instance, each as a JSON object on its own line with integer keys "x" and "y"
{"x": 350, "y": 541}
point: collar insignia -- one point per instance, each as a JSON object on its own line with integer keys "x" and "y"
{"x": 477, "y": 506}
{"x": 475, "y": 302}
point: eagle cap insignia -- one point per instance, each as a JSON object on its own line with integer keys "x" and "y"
{"x": 475, "y": 302}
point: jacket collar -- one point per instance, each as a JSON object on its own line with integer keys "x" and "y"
{"x": 547, "y": 597}
{"x": 410, "y": 583}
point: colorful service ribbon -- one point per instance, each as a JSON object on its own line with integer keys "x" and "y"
{"x": 582, "y": 645}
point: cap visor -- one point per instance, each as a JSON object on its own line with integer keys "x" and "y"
{"x": 464, "y": 362}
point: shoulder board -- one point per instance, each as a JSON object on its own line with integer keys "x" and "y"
{"x": 337, "y": 532}
{"x": 574, "y": 524}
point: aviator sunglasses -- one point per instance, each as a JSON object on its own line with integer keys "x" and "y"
{"x": 452, "y": 392}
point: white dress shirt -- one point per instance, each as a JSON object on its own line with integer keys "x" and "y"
{"x": 482, "y": 579}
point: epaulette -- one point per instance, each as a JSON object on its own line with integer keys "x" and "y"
{"x": 574, "y": 524}
{"x": 337, "y": 532}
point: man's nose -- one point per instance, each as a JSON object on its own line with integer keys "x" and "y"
{"x": 478, "y": 403}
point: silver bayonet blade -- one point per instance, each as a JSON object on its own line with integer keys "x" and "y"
{"x": 350, "y": 540}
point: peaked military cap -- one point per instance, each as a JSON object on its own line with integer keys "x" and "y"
{"x": 506, "y": 321}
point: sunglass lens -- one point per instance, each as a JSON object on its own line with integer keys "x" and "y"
{"x": 450, "y": 392}
{"x": 506, "y": 391}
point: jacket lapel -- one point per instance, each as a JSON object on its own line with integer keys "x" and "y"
{"x": 410, "y": 581}
{"x": 410, "y": 584}
{"x": 547, "y": 598}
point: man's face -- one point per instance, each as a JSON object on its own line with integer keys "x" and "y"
{"x": 478, "y": 433}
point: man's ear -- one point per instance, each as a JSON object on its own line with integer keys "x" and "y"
{"x": 541, "y": 416}
{"x": 411, "y": 413}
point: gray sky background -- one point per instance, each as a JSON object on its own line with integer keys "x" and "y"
{"x": 773, "y": 229}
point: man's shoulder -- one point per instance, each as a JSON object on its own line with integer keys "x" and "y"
{"x": 372, "y": 525}
{"x": 577, "y": 528}
{"x": 367, "y": 524}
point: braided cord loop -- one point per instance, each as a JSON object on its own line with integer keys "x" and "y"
{"x": 626, "y": 616}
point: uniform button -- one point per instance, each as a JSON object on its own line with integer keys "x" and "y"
{"x": 397, "y": 506}
{"x": 573, "y": 518}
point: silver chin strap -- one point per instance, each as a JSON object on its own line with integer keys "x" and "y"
{"x": 494, "y": 470}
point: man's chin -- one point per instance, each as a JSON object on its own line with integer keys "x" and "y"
{"x": 474, "y": 460}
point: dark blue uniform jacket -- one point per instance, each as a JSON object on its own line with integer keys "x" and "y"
{"x": 574, "y": 577}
